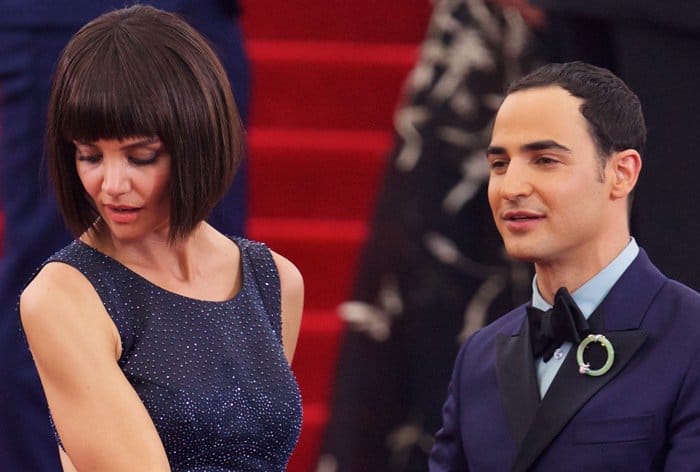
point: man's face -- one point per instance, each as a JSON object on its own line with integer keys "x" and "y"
{"x": 547, "y": 195}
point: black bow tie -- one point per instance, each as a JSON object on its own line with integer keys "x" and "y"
{"x": 550, "y": 329}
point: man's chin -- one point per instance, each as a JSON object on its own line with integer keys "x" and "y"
{"x": 524, "y": 254}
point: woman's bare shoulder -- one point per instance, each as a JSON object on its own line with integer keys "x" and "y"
{"x": 292, "y": 288}
{"x": 56, "y": 286}
{"x": 59, "y": 306}
{"x": 291, "y": 279}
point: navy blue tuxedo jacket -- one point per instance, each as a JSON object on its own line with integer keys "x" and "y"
{"x": 644, "y": 414}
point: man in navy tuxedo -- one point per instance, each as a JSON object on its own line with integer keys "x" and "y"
{"x": 607, "y": 378}
{"x": 32, "y": 34}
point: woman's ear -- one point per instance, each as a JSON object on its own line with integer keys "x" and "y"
{"x": 625, "y": 167}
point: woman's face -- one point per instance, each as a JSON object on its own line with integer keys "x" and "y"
{"x": 129, "y": 183}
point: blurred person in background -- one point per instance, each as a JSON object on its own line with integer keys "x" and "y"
{"x": 433, "y": 270}
{"x": 32, "y": 34}
{"x": 654, "y": 47}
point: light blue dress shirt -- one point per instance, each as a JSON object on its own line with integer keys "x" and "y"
{"x": 587, "y": 297}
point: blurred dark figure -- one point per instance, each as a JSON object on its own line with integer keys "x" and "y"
{"x": 32, "y": 34}
{"x": 654, "y": 46}
{"x": 433, "y": 269}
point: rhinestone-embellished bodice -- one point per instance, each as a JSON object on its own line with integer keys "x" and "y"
{"x": 212, "y": 375}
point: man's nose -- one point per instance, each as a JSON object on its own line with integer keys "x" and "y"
{"x": 516, "y": 182}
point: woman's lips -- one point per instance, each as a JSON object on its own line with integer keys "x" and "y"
{"x": 122, "y": 214}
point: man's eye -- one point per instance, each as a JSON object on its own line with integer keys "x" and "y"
{"x": 546, "y": 160}
{"x": 498, "y": 164}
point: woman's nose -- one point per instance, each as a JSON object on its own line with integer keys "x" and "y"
{"x": 115, "y": 180}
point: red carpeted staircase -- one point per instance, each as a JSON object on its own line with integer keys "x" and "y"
{"x": 327, "y": 76}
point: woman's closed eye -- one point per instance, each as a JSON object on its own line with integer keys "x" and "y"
{"x": 145, "y": 159}
{"x": 137, "y": 160}
{"x": 89, "y": 158}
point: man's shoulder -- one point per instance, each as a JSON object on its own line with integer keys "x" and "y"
{"x": 671, "y": 310}
{"x": 669, "y": 289}
{"x": 642, "y": 279}
{"x": 680, "y": 296}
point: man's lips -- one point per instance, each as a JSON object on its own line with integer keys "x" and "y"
{"x": 520, "y": 215}
{"x": 521, "y": 221}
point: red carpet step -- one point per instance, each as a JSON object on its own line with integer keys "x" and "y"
{"x": 315, "y": 173}
{"x": 344, "y": 20}
{"x": 313, "y": 84}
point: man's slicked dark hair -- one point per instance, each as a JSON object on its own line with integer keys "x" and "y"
{"x": 612, "y": 110}
{"x": 143, "y": 72}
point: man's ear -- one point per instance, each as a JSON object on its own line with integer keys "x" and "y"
{"x": 625, "y": 167}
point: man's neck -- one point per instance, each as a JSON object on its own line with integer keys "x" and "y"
{"x": 573, "y": 272}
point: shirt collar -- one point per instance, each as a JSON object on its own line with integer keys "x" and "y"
{"x": 590, "y": 294}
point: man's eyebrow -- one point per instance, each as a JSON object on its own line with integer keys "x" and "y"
{"x": 498, "y": 150}
{"x": 542, "y": 145}
{"x": 529, "y": 147}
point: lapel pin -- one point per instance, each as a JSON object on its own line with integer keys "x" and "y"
{"x": 584, "y": 368}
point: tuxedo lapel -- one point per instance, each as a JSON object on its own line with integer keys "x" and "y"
{"x": 517, "y": 382}
{"x": 569, "y": 391}
{"x": 619, "y": 317}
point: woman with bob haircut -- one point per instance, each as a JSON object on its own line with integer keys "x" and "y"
{"x": 161, "y": 344}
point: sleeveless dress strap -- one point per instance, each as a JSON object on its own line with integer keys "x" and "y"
{"x": 267, "y": 280}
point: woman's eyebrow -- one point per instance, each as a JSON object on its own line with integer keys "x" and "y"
{"x": 143, "y": 142}
{"x": 83, "y": 143}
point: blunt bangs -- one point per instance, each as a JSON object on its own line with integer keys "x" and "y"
{"x": 141, "y": 72}
{"x": 103, "y": 98}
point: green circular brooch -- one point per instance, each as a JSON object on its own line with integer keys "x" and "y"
{"x": 584, "y": 367}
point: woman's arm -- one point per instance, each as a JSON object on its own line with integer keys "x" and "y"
{"x": 102, "y": 423}
{"x": 292, "y": 288}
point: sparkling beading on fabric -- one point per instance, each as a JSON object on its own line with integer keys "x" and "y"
{"x": 212, "y": 375}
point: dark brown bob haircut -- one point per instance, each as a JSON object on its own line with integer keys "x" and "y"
{"x": 143, "y": 72}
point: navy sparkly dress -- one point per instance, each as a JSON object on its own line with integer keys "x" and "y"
{"x": 212, "y": 375}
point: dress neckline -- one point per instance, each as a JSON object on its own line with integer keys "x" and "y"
{"x": 243, "y": 266}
